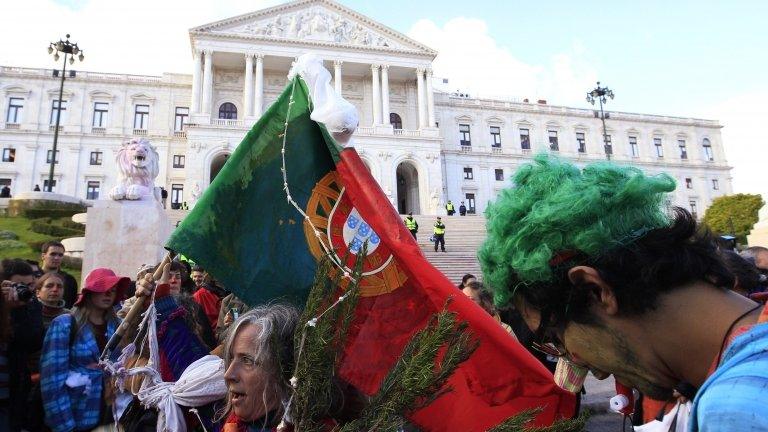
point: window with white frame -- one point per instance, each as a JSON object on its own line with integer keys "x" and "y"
{"x": 92, "y": 190}
{"x": 694, "y": 209}
{"x": 15, "y": 110}
{"x": 525, "y": 139}
{"x": 9, "y": 154}
{"x": 715, "y": 184}
{"x": 182, "y": 114}
{"x": 499, "y": 174}
{"x": 464, "y": 137}
{"x": 49, "y": 157}
{"x": 708, "y": 154}
{"x": 470, "y": 199}
{"x": 633, "y": 146}
{"x": 683, "y": 150}
{"x": 608, "y": 144}
{"x": 47, "y": 187}
{"x": 553, "y": 144}
{"x": 582, "y": 142}
{"x": 96, "y": 157}
{"x": 659, "y": 147}
{"x": 100, "y": 111}
{"x": 57, "y": 108}
{"x": 468, "y": 173}
{"x": 179, "y": 161}
{"x": 177, "y": 195}
{"x": 141, "y": 117}
{"x": 496, "y": 136}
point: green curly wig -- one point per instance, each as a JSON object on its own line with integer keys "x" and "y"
{"x": 555, "y": 206}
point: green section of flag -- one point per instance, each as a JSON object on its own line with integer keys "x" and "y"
{"x": 243, "y": 230}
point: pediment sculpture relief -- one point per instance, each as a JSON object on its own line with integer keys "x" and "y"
{"x": 316, "y": 24}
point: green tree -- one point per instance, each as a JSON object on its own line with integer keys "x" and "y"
{"x": 734, "y": 214}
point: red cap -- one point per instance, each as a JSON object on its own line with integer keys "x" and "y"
{"x": 101, "y": 280}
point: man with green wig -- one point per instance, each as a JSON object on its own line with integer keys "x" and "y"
{"x": 612, "y": 280}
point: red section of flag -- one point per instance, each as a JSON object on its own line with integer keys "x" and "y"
{"x": 499, "y": 380}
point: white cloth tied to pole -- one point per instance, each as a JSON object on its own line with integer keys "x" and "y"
{"x": 678, "y": 415}
{"x": 202, "y": 382}
{"x": 337, "y": 114}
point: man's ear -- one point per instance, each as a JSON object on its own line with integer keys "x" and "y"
{"x": 589, "y": 278}
{"x": 531, "y": 315}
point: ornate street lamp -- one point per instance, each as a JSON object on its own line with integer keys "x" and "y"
{"x": 69, "y": 49}
{"x": 602, "y": 94}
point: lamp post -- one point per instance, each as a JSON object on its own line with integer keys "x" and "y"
{"x": 69, "y": 49}
{"x": 602, "y": 94}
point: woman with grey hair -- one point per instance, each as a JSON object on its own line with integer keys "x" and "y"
{"x": 258, "y": 356}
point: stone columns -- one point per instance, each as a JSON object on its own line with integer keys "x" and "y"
{"x": 420, "y": 97}
{"x": 207, "y": 83}
{"x": 376, "y": 92}
{"x": 337, "y": 76}
{"x": 197, "y": 70}
{"x": 385, "y": 93}
{"x": 248, "y": 89}
{"x": 430, "y": 101}
{"x": 259, "y": 104}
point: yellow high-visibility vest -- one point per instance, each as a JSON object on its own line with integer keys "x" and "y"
{"x": 410, "y": 223}
{"x": 439, "y": 228}
{"x": 449, "y": 206}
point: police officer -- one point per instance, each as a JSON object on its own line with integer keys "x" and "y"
{"x": 449, "y": 208}
{"x": 412, "y": 225}
{"x": 439, "y": 234}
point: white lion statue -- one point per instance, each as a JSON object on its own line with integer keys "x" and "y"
{"x": 138, "y": 163}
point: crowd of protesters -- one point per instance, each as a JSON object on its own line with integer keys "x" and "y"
{"x": 53, "y": 335}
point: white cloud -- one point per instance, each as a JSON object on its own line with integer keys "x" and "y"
{"x": 137, "y": 36}
{"x": 476, "y": 64}
{"x": 743, "y": 117}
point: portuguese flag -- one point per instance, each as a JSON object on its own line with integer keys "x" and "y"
{"x": 263, "y": 247}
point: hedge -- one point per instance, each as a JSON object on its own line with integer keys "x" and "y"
{"x": 53, "y": 213}
{"x": 47, "y": 227}
{"x": 68, "y": 223}
{"x": 12, "y": 244}
{"x": 8, "y": 235}
{"x": 43, "y": 207}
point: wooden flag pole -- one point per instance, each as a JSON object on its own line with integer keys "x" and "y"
{"x": 135, "y": 312}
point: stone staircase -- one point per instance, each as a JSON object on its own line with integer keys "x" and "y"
{"x": 463, "y": 237}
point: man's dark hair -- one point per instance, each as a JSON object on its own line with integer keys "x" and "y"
{"x": 179, "y": 267}
{"x": 465, "y": 278}
{"x": 638, "y": 272}
{"x": 197, "y": 268}
{"x": 746, "y": 274}
{"x": 13, "y": 267}
{"x": 49, "y": 244}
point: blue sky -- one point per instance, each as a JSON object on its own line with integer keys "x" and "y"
{"x": 701, "y": 59}
{"x": 666, "y": 57}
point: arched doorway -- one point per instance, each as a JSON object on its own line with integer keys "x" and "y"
{"x": 407, "y": 188}
{"x": 216, "y": 164}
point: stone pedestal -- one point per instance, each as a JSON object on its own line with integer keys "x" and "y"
{"x": 123, "y": 235}
{"x": 759, "y": 234}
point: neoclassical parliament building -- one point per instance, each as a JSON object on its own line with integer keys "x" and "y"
{"x": 423, "y": 145}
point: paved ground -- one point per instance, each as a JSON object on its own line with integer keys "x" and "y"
{"x": 606, "y": 422}
{"x": 596, "y": 399}
{"x": 599, "y": 392}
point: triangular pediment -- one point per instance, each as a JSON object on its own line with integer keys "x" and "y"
{"x": 322, "y": 22}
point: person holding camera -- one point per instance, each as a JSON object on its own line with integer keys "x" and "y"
{"x": 21, "y": 334}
